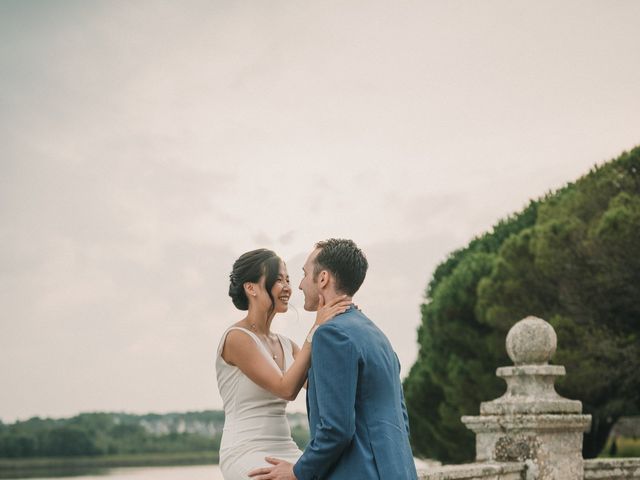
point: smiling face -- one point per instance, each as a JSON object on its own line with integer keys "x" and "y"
{"x": 309, "y": 283}
{"x": 281, "y": 290}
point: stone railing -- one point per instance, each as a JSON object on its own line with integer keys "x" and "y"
{"x": 531, "y": 432}
{"x": 612, "y": 469}
{"x": 474, "y": 471}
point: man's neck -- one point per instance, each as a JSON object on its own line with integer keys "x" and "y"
{"x": 330, "y": 296}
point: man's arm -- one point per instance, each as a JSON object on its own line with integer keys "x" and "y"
{"x": 335, "y": 373}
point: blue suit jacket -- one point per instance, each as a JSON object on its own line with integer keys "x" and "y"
{"x": 357, "y": 415}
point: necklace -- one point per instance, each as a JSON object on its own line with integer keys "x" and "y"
{"x": 268, "y": 347}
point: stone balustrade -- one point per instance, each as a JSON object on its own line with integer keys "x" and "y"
{"x": 475, "y": 471}
{"x": 531, "y": 432}
{"x": 612, "y": 469}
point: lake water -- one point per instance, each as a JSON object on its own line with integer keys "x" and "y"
{"x": 196, "y": 472}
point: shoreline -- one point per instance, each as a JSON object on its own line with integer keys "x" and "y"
{"x": 30, "y": 467}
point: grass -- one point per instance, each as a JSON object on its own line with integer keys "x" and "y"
{"x": 29, "y": 467}
{"x": 625, "y": 447}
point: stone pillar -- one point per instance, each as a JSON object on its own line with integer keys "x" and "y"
{"x": 531, "y": 423}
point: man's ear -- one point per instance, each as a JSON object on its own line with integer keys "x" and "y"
{"x": 323, "y": 279}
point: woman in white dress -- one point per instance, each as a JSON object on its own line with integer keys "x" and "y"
{"x": 259, "y": 371}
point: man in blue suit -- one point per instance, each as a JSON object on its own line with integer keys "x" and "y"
{"x": 357, "y": 415}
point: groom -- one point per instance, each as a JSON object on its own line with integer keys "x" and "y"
{"x": 357, "y": 416}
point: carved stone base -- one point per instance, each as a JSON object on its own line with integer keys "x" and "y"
{"x": 553, "y": 443}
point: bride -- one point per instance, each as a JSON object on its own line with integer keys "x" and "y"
{"x": 258, "y": 371}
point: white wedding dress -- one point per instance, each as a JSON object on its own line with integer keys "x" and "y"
{"x": 255, "y": 424}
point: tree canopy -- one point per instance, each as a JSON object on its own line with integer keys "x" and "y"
{"x": 572, "y": 258}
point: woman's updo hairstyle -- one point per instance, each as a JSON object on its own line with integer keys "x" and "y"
{"x": 250, "y": 267}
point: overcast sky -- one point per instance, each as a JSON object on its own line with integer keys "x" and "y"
{"x": 146, "y": 145}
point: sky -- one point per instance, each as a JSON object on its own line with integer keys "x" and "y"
{"x": 146, "y": 145}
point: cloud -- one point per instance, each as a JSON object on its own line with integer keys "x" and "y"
{"x": 102, "y": 326}
{"x": 112, "y": 282}
{"x": 286, "y": 238}
{"x": 145, "y": 147}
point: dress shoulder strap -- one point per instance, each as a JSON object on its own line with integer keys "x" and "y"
{"x": 286, "y": 343}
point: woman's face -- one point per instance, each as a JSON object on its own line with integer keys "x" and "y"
{"x": 281, "y": 290}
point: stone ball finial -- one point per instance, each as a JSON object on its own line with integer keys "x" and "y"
{"x": 531, "y": 341}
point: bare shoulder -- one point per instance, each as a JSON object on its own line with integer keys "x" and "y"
{"x": 237, "y": 341}
{"x": 237, "y": 337}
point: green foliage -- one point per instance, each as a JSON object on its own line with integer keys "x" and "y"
{"x": 449, "y": 380}
{"x": 622, "y": 447}
{"x": 300, "y": 435}
{"x": 97, "y": 434}
{"x": 572, "y": 258}
{"x": 121, "y": 435}
{"x": 68, "y": 441}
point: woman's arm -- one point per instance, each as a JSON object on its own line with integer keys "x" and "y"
{"x": 243, "y": 352}
{"x": 296, "y": 349}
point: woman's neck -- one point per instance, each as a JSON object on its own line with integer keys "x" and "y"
{"x": 259, "y": 322}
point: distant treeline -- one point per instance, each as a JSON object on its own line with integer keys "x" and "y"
{"x": 95, "y": 434}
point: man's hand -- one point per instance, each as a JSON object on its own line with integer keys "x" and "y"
{"x": 281, "y": 470}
